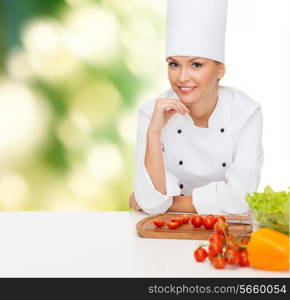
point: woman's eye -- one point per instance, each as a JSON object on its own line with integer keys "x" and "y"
{"x": 172, "y": 63}
{"x": 197, "y": 65}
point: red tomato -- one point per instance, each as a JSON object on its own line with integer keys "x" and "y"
{"x": 233, "y": 256}
{"x": 244, "y": 243}
{"x": 231, "y": 237}
{"x": 159, "y": 222}
{"x": 232, "y": 244}
{"x": 210, "y": 257}
{"x": 210, "y": 216}
{"x": 216, "y": 237}
{"x": 244, "y": 262}
{"x": 200, "y": 254}
{"x": 219, "y": 262}
{"x": 179, "y": 220}
{"x": 172, "y": 225}
{"x": 186, "y": 219}
{"x": 208, "y": 222}
{"x": 197, "y": 221}
{"x": 215, "y": 248}
{"x": 222, "y": 218}
{"x": 220, "y": 227}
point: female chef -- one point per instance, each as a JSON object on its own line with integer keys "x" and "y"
{"x": 199, "y": 145}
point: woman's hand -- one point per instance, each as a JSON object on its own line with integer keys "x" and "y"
{"x": 164, "y": 109}
{"x": 182, "y": 204}
{"x": 133, "y": 203}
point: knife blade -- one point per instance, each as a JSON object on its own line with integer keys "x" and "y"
{"x": 244, "y": 222}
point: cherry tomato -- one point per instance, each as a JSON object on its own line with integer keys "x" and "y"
{"x": 186, "y": 219}
{"x": 211, "y": 257}
{"x": 179, "y": 220}
{"x": 244, "y": 243}
{"x": 219, "y": 262}
{"x": 220, "y": 227}
{"x": 232, "y": 244}
{"x": 159, "y": 222}
{"x": 172, "y": 225}
{"x": 244, "y": 262}
{"x": 231, "y": 237}
{"x": 222, "y": 218}
{"x": 216, "y": 237}
{"x": 215, "y": 248}
{"x": 210, "y": 216}
{"x": 200, "y": 254}
{"x": 233, "y": 256}
{"x": 208, "y": 222}
{"x": 197, "y": 221}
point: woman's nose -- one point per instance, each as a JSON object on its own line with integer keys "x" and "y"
{"x": 184, "y": 75}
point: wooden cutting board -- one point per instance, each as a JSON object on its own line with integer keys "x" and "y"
{"x": 147, "y": 229}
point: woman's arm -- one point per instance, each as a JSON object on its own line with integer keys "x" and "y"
{"x": 164, "y": 109}
{"x": 155, "y": 167}
{"x": 154, "y": 185}
{"x": 180, "y": 204}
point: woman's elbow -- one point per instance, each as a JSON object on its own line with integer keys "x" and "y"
{"x": 161, "y": 206}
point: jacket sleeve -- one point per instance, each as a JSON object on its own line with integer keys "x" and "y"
{"x": 242, "y": 176}
{"x": 147, "y": 197}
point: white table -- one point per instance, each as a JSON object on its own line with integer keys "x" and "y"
{"x": 97, "y": 244}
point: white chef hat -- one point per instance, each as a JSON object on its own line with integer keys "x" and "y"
{"x": 196, "y": 28}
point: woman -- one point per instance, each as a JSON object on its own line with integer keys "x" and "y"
{"x": 199, "y": 145}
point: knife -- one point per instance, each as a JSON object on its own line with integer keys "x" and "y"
{"x": 241, "y": 221}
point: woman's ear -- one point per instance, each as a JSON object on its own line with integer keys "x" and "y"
{"x": 221, "y": 70}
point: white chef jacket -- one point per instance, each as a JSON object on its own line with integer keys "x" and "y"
{"x": 217, "y": 165}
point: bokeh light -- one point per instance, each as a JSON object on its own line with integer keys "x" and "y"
{"x": 92, "y": 33}
{"x": 48, "y": 55}
{"x": 23, "y": 121}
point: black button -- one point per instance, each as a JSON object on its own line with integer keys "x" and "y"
{"x": 181, "y": 186}
{"x": 222, "y": 130}
{"x": 224, "y": 164}
{"x": 181, "y": 162}
{"x": 181, "y": 194}
{"x": 179, "y": 130}
{"x": 163, "y": 149}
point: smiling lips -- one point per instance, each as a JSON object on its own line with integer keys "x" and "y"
{"x": 186, "y": 89}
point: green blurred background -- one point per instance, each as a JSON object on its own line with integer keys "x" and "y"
{"x": 72, "y": 75}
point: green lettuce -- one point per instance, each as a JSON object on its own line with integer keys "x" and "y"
{"x": 271, "y": 209}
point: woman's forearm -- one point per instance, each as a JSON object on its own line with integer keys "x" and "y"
{"x": 154, "y": 162}
{"x": 155, "y": 167}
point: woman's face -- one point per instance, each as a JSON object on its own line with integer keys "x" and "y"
{"x": 200, "y": 75}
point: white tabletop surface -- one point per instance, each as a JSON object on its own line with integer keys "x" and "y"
{"x": 98, "y": 244}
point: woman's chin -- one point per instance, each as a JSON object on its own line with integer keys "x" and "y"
{"x": 187, "y": 98}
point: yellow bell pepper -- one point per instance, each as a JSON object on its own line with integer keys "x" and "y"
{"x": 269, "y": 250}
